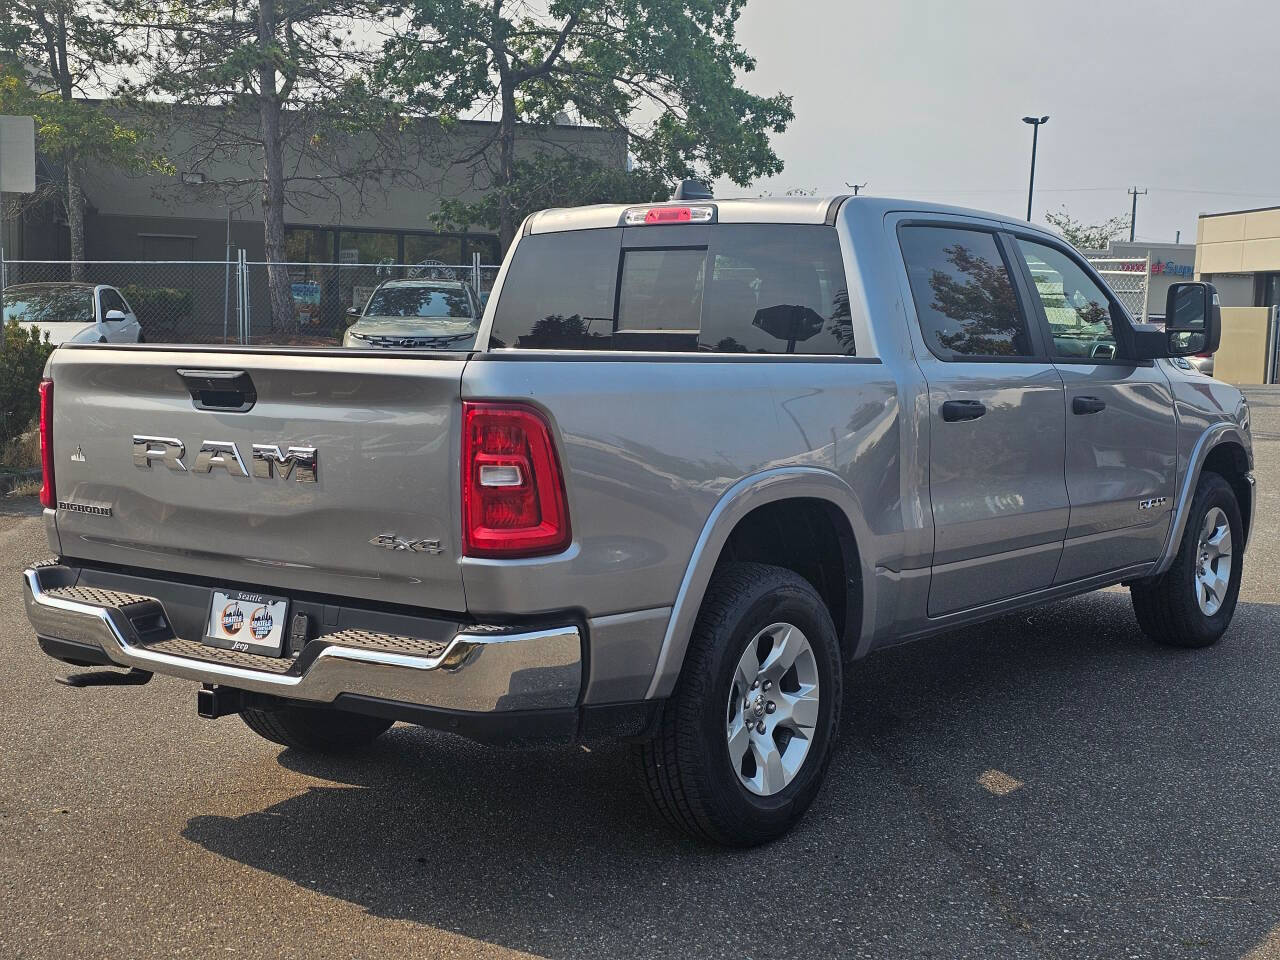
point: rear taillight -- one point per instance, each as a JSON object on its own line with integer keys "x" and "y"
{"x": 513, "y": 501}
{"x": 48, "y": 497}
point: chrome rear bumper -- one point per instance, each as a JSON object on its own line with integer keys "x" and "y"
{"x": 477, "y": 670}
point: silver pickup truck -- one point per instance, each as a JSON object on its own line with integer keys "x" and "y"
{"x": 700, "y": 457}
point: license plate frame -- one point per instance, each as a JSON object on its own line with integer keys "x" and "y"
{"x": 246, "y": 621}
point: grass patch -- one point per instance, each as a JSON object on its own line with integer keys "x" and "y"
{"x": 30, "y": 489}
{"x": 22, "y": 454}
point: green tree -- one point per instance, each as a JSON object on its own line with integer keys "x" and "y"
{"x": 663, "y": 74}
{"x": 23, "y": 353}
{"x": 56, "y": 54}
{"x": 546, "y": 180}
{"x": 279, "y": 87}
{"x": 1086, "y": 236}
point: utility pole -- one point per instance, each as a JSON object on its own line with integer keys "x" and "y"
{"x": 1133, "y": 213}
{"x": 855, "y": 187}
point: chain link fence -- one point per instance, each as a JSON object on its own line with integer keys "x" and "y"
{"x": 231, "y": 302}
{"x": 1130, "y": 280}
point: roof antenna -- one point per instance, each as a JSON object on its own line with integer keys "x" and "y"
{"x": 693, "y": 190}
{"x": 855, "y": 187}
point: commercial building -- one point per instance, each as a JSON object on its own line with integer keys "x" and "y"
{"x": 359, "y": 217}
{"x": 1239, "y": 252}
{"x": 356, "y": 206}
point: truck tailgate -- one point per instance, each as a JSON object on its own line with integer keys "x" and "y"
{"x": 379, "y": 521}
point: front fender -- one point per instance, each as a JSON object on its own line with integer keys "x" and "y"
{"x": 1214, "y": 435}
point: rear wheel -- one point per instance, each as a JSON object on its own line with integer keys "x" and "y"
{"x": 1192, "y": 603}
{"x": 745, "y": 740}
{"x": 315, "y": 729}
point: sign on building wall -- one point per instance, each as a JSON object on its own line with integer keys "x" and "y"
{"x": 17, "y": 155}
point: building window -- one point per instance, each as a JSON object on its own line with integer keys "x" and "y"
{"x": 365, "y": 246}
{"x": 308, "y": 245}
{"x": 1268, "y": 289}
{"x": 419, "y": 247}
{"x": 486, "y": 246}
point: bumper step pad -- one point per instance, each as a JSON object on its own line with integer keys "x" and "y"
{"x": 194, "y": 650}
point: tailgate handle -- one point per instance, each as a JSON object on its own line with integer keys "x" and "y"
{"x": 228, "y": 390}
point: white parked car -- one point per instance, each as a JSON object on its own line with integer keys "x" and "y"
{"x": 73, "y": 312}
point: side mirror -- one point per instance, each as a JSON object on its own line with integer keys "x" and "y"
{"x": 114, "y": 316}
{"x": 1192, "y": 324}
{"x": 352, "y": 312}
{"x": 1192, "y": 319}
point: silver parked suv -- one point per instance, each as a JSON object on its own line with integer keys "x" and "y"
{"x": 699, "y": 456}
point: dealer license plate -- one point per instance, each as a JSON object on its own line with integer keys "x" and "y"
{"x": 248, "y": 622}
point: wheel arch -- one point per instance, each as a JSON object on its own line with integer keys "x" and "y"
{"x": 1230, "y": 461}
{"x": 749, "y": 507}
{"x": 1223, "y": 449}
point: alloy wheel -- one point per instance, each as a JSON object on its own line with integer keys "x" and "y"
{"x": 1213, "y": 562}
{"x": 773, "y": 709}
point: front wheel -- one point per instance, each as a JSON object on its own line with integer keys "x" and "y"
{"x": 1192, "y": 603}
{"x": 745, "y": 739}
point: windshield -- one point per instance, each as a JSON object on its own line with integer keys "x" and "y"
{"x": 421, "y": 302}
{"x": 70, "y": 305}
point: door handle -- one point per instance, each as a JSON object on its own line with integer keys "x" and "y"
{"x": 954, "y": 411}
{"x": 1083, "y": 405}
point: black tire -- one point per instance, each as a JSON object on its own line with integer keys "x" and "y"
{"x": 315, "y": 729}
{"x": 1166, "y": 606}
{"x": 686, "y": 766}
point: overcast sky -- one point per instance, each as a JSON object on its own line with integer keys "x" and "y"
{"x": 924, "y": 100}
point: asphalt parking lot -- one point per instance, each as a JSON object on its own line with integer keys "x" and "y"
{"x": 1049, "y": 785}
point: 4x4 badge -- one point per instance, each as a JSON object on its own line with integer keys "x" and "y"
{"x": 389, "y": 541}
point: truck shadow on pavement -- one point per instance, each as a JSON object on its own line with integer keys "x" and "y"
{"x": 1047, "y": 784}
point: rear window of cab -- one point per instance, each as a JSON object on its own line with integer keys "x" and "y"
{"x": 724, "y": 288}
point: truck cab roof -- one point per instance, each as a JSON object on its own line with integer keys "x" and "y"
{"x": 815, "y": 210}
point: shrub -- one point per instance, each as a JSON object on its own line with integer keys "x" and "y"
{"x": 22, "y": 359}
{"x": 158, "y": 306}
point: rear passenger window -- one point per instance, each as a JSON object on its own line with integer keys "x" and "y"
{"x": 964, "y": 298}
{"x": 749, "y": 288}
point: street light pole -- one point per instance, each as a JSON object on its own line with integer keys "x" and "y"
{"x": 1035, "y": 137}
